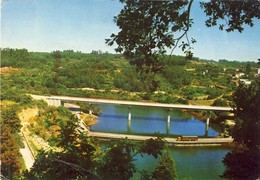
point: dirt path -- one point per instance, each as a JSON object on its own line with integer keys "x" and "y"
{"x": 25, "y": 116}
{"x": 27, "y": 156}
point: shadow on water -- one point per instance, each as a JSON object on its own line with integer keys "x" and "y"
{"x": 147, "y": 121}
{"x": 148, "y": 118}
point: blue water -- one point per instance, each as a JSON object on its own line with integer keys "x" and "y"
{"x": 196, "y": 163}
{"x": 148, "y": 121}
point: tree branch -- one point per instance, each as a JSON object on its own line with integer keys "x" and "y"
{"x": 185, "y": 30}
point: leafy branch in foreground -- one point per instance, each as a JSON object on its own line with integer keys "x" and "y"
{"x": 244, "y": 161}
{"x": 149, "y": 28}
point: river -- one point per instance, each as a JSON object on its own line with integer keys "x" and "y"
{"x": 196, "y": 163}
{"x": 191, "y": 162}
{"x": 148, "y": 121}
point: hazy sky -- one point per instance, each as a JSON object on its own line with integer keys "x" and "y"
{"x": 83, "y": 25}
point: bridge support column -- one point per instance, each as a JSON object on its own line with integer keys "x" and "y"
{"x": 169, "y": 116}
{"x": 57, "y": 102}
{"x": 54, "y": 102}
{"x": 129, "y": 113}
{"x": 129, "y": 119}
{"x": 207, "y": 127}
{"x": 168, "y": 123}
{"x": 90, "y": 109}
{"x": 129, "y": 125}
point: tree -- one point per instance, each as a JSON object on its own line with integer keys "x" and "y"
{"x": 244, "y": 162}
{"x": 78, "y": 156}
{"x": 247, "y": 100}
{"x": 10, "y": 118}
{"x": 60, "y": 165}
{"x": 82, "y": 159}
{"x": 153, "y": 147}
{"x": 165, "y": 169}
{"x": 220, "y": 102}
{"x": 57, "y": 57}
{"x": 189, "y": 55}
{"x": 231, "y": 15}
{"x": 148, "y": 28}
{"x": 118, "y": 160}
{"x": 177, "y": 76}
{"x": 10, "y": 154}
{"x": 248, "y": 69}
{"x": 15, "y": 57}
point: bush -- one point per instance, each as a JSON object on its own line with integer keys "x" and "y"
{"x": 19, "y": 139}
{"x": 227, "y": 97}
{"x": 214, "y": 93}
{"x": 183, "y": 101}
{"x": 220, "y": 102}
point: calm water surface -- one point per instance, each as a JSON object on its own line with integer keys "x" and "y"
{"x": 196, "y": 163}
{"x": 202, "y": 163}
{"x": 148, "y": 121}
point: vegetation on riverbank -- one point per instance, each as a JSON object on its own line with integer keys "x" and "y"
{"x": 88, "y": 119}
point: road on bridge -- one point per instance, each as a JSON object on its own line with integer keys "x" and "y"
{"x": 134, "y": 103}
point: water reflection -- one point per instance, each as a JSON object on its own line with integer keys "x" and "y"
{"x": 150, "y": 120}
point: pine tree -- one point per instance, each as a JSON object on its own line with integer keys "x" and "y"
{"x": 165, "y": 169}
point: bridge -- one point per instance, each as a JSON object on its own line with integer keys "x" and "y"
{"x": 59, "y": 101}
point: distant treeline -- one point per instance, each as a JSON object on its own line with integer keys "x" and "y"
{"x": 64, "y": 72}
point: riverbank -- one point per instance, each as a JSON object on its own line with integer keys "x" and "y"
{"x": 89, "y": 119}
{"x": 172, "y": 141}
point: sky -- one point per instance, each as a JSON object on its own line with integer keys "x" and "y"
{"x": 83, "y": 25}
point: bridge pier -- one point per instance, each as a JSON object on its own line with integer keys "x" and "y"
{"x": 207, "y": 127}
{"x": 129, "y": 119}
{"x": 54, "y": 102}
{"x": 168, "y": 123}
{"x": 129, "y": 113}
{"x": 90, "y": 109}
{"x": 129, "y": 125}
{"x": 169, "y": 116}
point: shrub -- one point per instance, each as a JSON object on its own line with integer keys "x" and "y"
{"x": 220, "y": 102}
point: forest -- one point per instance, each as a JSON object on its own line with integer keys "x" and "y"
{"x": 111, "y": 76}
{"x": 104, "y": 75}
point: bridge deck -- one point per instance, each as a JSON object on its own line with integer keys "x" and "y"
{"x": 145, "y": 104}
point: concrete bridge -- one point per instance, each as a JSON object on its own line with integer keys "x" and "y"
{"x": 59, "y": 101}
